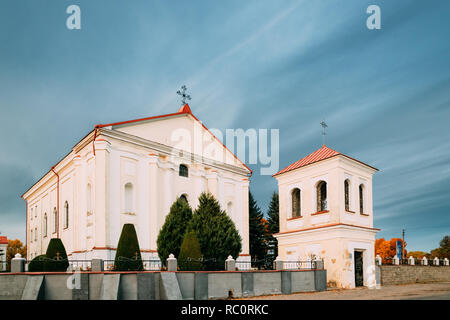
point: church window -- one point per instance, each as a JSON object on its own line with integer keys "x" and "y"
{"x": 45, "y": 224}
{"x": 89, "y": 198}
{"x": 230, "y": 209}
{"x": 296, "y": 203}
{"x": 183, "y": 171}
{"x": 129, "y": 198}
{"x": 361, "y": 198}
{"x": 55, "y": 220}
{"x": 347, "y": 194}
{"x": 184, "y": 198}
{"x": 66, "y": 214}
{"x": 322, "y": 196}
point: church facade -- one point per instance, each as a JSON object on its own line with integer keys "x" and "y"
{"x": 132, "y": 172}
{"x": 326, "y": 212}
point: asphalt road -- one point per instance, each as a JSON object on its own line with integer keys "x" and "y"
{"x": 416, "y": 291}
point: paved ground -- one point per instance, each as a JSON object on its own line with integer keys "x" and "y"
{"x": 426, "y": 291}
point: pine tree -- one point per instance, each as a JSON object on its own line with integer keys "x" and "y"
{"x": 274, "y": 226}
{"x": 128, "y": 254}
{"x": 216, "y": 233}
{"x": 256, "y": 230}
{"x": 171, "y": 235}
{"x": 273, "y": 214}
{"x": 190, "y": 253}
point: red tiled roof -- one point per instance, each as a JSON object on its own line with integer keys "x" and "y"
{"x": 3, "y": 240}
{"x": 318, "y": 155}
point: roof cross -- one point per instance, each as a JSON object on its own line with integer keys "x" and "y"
{"x": 324, "y": 126}
{"x": 184, "y": 95}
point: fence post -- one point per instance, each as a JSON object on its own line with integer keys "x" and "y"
{"x": 97, "y": 265}
{"x": 424, "y": 261}
{"x": 411, "y": 261}
{"x": 436, "y": 261}
{"x": 319, "y": 265}
{"x": 378, "y": 260}
{"x": 396, "y": 261}
{"x": 171, "y": 263}
{"x": 230, "y": 264}
{"x": 18, "y": 263}
{"x": 446, "y": 262}
{"x": 278, "y": 263}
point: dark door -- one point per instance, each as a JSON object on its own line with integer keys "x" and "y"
{"x": 359, "y": 280}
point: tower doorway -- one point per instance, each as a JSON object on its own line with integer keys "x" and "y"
{"x": 359, "y": 278}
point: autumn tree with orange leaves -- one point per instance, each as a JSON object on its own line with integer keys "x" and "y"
{"x": 14, "y": 247}
{"x": 387, "y": 249}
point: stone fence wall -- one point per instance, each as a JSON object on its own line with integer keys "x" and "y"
{"x": 404, "y": 274}
{"x": 157, "y": 285}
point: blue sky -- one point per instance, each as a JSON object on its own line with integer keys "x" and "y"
{"x": 385, "y": 94}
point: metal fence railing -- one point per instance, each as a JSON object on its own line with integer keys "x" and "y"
{"x": 255, "y": 264}
{"x": 147, "y": 265}
{"x": 300, "y": 265}
{"x": 80, "y": 265}
{"x": 188, "y": 264}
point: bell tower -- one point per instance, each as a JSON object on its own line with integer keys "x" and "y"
{"x": 326, "y": 211}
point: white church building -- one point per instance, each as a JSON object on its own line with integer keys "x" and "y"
{"x": 132, "y": 172}
{"x": 326, "y": 212}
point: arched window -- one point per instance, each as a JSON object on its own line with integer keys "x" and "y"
{"x": 89, "y": 199}
{"x": 230, "y": 209}
{"x": 184, "y": 197}
{"x": 66, "y": 214}
{"x": 128, "y": 206}
{"x": 322, "y": 196}
{"x": 31, "y": 235}
{"x": 35, "y": 234}
{"x": 347, "y": 194}
{"x": 296, "y": 203}
{"x": 361, "y": 198}
{"x": 55, "y": 220}
{"x": 183, "y": 171}
{"x": 45, "y": 224}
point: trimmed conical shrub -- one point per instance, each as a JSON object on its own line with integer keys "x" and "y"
{"x": 56, "y": 256}
{"x": 171, "y": 235}
{"x": 190, "y": 253}
{"x": 128, "y": 254}
{"x": 37, "y": 264}
{"x": 216, "y": 233}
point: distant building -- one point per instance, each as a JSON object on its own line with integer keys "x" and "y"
{"x": 3, "y": 246}
{"x": 326, "y": 211}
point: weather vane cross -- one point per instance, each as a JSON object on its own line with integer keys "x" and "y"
{"x": 324, "y": 126}
{"x": 183, "y": 94}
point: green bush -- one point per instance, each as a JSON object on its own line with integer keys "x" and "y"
{"x": 37, "y": 264}
{"x": 216, "y": 233}
{"x": 190, "y": 253}
{"x": 128, "y": 254}
{"x": 171, "y": 235}
{"x": 56, "y": 256}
